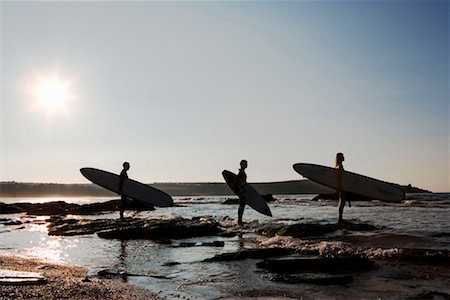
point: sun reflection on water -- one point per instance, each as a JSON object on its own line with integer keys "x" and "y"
{"x": 52, "y": 248}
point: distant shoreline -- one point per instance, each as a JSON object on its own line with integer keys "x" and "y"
{"x": 21, "y": 189}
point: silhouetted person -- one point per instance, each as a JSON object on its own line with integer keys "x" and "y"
{"x": 341, "y": 194}
{"x": 242, "y": 180}
{"x": 123, "y": 198}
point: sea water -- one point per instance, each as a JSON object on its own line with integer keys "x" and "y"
{"x": 178, "y": 272}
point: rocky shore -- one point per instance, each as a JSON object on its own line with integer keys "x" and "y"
{"x": 287, "y": 252}
{"x": 65, "y": 282}
{"x": 63, "y": 208}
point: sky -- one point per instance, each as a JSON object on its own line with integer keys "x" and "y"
{"x": 184, "y": 90}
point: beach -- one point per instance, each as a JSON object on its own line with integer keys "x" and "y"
{"x": 195, "y": 250}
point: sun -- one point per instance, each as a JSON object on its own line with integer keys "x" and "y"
{"x": 52, "y": 95}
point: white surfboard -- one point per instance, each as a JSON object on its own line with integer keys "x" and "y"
{"x": 247, "y": 192}
{"x": 351, "y": 182}
{"x": 131, "y": 188}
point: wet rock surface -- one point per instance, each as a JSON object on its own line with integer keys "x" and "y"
{"x": 334, "y": 196}
{"x": 267, "y": 197}
{"x": 256, "y": 253}
{"x": 135, "y": 228}
{"x": 317, "y": 264}
{"x": 318, "y": 279}
{"x": 301, "y": 230}
{"x": 430, "y": 295}
{"x": 63, "y": 208}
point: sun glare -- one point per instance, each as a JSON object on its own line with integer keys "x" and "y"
{"x": 52, "y": 95}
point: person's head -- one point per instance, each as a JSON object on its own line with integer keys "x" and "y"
{"x": 339, "y": 158}
{"x": 126, "y": 165}
{"x": 244, "y": 164}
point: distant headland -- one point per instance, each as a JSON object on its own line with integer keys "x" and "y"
{"x": 21, "y": 189}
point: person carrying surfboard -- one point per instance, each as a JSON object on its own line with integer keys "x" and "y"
{"x": 123, "y": 198}
{"x": 341, "y": 194}
{"x": 242, "y": 179}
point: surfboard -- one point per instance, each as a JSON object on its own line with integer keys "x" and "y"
{"x": 247, "y": 192}
{"x": 131, "y": 188}
{"x": 351, "y": 182}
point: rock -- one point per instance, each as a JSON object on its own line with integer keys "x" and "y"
{"x": 307, "y": 230}
{"x": 156, "y": 229}
{"x": 231, "y": 201}
{"x": 9, "y": 209}
{"x": 431, "y": 295}
{"x": 206, "y": 244}
{"x": 257, "y": 253}
{"x": 63, "y": 208}
{"x": 316, "y": 264}
{"x": 71, "y": 227}
{"x": 334, "y": 196}
{"x": 318, "y": 279}
{"x": 12, "y": 223}
{"x": 213, "y": 244}
{"x": 111, "y": 272}
{"x": 135, "y": 228}
{"x": 425, "y": 256}
{"x": 267, "y": 197}
{"x": 301, "y": 230}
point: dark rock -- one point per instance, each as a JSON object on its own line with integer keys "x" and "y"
{"x": 133, "y": 228}
{"x": 313, "y": 279}
{"x": 72, "y": 227}
{"x": 316, "y": 264}
{"x": 12, "y": 223}
{"x": 231, "y": 201}
{"x": 334, "y": 196}
{"x": 63, "y": 208}
{"x": 155, "y": 229}
{"x": 432, "y": 295}
{"x": 206, "y": 244}
{"x": 9, "y": 209}
{"x": 184, "y": 245}
{"x": 213, "y": 244}
{"x": 258, "y": 253}
{"x": 425, "y": 256}
{"x": 267, "y": 197}
{"x": 306, "y": 230}
{"x": 228, "y": 234}
{"x": 111, "y": 272}
{"x": 302, "y": 230}
{"x": 441, "y": 234}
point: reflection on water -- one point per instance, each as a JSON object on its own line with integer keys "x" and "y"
{"x": 55, "y": 248}
{"x": 77, "y": 200}
{"x": 179, "y": 272}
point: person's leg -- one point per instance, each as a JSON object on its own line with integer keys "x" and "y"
{"x": 241, "y": 212}
{"x": 122, "y": 206}
{"x": 341, "y": 206}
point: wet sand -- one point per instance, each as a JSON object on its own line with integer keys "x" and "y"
{"x": 65, "y": 282}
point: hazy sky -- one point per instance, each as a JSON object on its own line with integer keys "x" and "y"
{"x": 183, "y": 90}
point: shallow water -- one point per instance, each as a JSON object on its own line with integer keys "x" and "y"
{"x": 422, "y": 221}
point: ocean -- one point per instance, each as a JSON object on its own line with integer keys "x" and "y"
{"x": 419, "y": 222}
